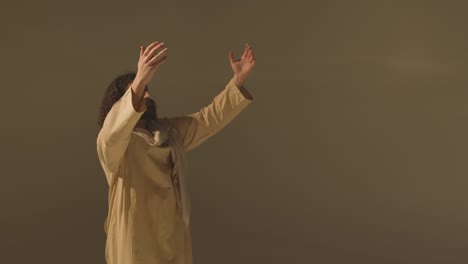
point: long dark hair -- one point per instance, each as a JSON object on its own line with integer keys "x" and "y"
{"x": 114, "y": 92}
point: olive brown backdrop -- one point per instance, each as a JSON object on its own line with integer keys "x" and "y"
{"x": 353, "y": 151}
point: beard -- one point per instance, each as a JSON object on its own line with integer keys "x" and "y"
{"x": 150, "y": 113}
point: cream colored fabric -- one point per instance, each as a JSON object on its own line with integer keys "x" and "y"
{"x": 169, "y": 135}
{"x": 179, "y": 174}
{"x": 144, "y": 224}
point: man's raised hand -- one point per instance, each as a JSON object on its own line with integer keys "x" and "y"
{"x": 151, "y": 58}
{"x": 242, "y": 67}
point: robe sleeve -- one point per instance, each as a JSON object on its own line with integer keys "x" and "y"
{"x": 196, "y": 128}
{"x": 114, "y": 136}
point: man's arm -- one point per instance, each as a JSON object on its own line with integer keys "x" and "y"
{"x": 244, "y": 92}
{"x": 196, "y": 128}
{"x": 113, "y": 139}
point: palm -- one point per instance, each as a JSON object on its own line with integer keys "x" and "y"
{"x": 245, "y": 64}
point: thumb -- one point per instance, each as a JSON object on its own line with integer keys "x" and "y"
{"x": 142, "y": 49}
{"x": 231, "y": 56}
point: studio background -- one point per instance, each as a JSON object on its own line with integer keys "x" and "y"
{"x": 353, "y": 151}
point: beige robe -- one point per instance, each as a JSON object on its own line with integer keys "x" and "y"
{"x": 143, "y": 225}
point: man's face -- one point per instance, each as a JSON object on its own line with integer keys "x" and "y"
{"x": 150, "y": 113}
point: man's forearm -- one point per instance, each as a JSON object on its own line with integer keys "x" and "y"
{"x": 138, "y": 89}
{"x": 239, "y": 81}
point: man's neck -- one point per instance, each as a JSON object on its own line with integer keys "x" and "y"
{"x": 148, "y": 125}
{"x": 141, "y": 124}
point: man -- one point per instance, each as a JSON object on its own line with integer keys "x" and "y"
{"x": 143, "y": 158}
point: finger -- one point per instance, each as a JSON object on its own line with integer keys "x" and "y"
{"x": 153, "y": 51}
{"x": 246, "y": 50}
{"x": 157, "y": 63}
{"x": 233, "y": 60}
{"x": 249, "y": 55}
{"x": 158, "y": 56}
{"x": 148, "y": 49}
{"x": 253, "y": 56}
{"x": 142, "y": 49}
{"x": 231, "y": 56}
{"x": 150, "y": 46}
